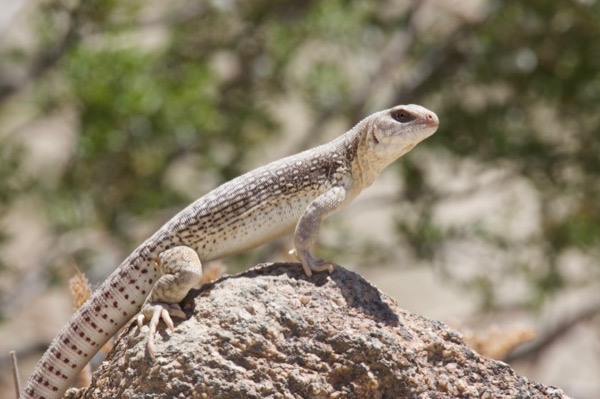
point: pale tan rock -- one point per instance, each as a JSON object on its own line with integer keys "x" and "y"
{"x": 271, "y": 332}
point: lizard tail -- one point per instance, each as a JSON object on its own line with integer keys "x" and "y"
{"x": 117, "y": 300}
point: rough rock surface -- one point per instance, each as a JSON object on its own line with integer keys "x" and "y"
{"x": 271, "y": 332}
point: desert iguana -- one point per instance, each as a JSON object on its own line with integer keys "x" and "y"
{"x": 293, "y": 194}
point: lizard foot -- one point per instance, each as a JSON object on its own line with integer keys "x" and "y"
{"x": 311, "y": 264}
{"x": 154, "y": 312}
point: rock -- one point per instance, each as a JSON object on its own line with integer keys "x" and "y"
{"x": 271, "y": 332}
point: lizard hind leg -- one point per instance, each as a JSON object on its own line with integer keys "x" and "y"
{"x": 180, "y": 270}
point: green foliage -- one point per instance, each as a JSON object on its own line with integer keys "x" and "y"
{"x": 518, "y": 87}
{"x": 522, "y": 89}
{"x": 136, "y": 114}
{"x": 13, "y": 184}
{"x": 142, "y": 108}
{"x": 12, "y": 180}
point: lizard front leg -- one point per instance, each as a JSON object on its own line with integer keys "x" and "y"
{"x": 180, "y": 270}
{"x": 307, "y": 229}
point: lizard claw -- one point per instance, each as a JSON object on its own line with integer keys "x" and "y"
{"x": 154, "y": 312}
{"x": 311, "y": 264}
{"x": 319, "y": 265}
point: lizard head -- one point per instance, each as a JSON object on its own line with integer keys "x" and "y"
{"x": 397, "y": 130}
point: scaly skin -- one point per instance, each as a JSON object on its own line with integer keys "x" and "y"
{"x": 293, "y": 194}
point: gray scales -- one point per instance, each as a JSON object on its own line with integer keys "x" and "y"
{"x": 293, "y": 194}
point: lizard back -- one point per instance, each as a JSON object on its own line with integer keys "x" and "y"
{"x": 260, "y": 205}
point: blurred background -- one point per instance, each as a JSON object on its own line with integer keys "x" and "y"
{"x": 114, "y": 115}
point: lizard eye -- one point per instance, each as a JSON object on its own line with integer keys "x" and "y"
{"x": 403, "y": 116}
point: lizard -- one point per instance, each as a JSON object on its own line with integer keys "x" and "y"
{"x": 291, "y": 195}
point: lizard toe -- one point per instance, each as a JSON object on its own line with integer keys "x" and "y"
{"x": 155, "y": 312}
